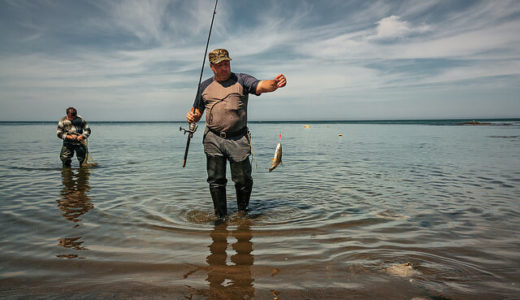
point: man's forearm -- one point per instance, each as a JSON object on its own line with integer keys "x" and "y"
{"x": 266, "y": 86}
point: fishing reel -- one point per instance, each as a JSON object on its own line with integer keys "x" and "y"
{"x": 191, "y": 130}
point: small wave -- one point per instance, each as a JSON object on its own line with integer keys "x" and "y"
{"x": 50, "y": 168}
{"x": 390, "y": 215}
{"x": 33, "y": 168}
{"x": 199, "y": 217}
{"x": 504, "y": 136}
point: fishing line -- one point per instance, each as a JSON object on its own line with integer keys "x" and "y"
{"x": 204, "y": 58}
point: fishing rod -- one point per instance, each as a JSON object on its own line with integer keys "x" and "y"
{"x": 193, "y": 126}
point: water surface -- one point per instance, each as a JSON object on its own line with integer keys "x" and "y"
{"x": 392, "y": 210}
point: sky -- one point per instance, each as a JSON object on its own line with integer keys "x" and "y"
{"x": 140, "y": 60}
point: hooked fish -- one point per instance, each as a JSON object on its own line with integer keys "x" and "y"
{"x": 277, "y": 159}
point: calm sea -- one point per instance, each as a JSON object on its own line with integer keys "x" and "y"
{"x": 358, "y": 210}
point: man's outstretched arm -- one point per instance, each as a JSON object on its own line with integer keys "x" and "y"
{"x": 267, "y": 86}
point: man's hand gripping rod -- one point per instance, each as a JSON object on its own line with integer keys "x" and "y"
{"x": 190, "y": 131}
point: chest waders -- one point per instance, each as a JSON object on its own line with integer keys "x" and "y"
{"x": 241, "y": 176}
{"x": 67, "y": 151}
{"x": 70, "y": 147}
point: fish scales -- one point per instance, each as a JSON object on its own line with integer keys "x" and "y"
{"x": 277, "y": 159}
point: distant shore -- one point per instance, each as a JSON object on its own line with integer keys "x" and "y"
{"x": 500, "y": 121}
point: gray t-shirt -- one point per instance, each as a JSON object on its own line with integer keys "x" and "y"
{"x": 226, "y": 102}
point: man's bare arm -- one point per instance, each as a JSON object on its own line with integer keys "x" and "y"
{"x": 267, "y": 86}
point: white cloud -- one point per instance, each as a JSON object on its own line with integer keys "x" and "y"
{"x": 393, "y": 27}
{"x": 475, "y": 71}
{"x": 490, "y": 42}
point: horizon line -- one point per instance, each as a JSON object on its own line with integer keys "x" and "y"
{"x": 284, "y": 121}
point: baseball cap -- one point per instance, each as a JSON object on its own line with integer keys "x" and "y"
{"x": 218, "y": 55}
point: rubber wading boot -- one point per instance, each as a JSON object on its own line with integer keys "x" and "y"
{"x": 243, "y": 195}
{"x": 218, "y": 195}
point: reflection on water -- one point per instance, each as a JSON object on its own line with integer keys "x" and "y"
{"x": 229, "y": 280}
{"x": 74, "y": 203}
{"x": 232, "y": 281}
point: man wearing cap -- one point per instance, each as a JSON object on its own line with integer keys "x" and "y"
{"x": 74, "y": 131}
{"x": 224, "y": 97}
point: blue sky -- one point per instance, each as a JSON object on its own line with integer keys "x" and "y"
{"x": 348, "y": 60}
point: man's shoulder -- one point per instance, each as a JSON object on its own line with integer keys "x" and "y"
{"x": 208, "y": 81}
{"x": 243, "y": 77}
{"x": 249, "y": 82}
{"x": 241, "y": 74}
{"x": 63, "y": 119}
